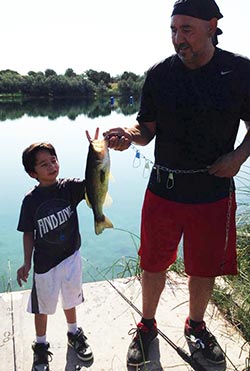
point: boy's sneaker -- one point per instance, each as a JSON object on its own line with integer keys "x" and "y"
{"x": 201, "y": 340}
{"x": 42, "y": 356}
{"x": 78, "y": 342}
{"x": 138, "y": 349}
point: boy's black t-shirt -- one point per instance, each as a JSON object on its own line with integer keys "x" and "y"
{"x": 197, "y": 114}
{"x": 50, "y": 214}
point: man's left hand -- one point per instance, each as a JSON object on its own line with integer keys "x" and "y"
{"x": 226, "y": 166}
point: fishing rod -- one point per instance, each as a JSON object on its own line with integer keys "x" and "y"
{"x": 182, "y": 353}
{"x": 9, "y": 290}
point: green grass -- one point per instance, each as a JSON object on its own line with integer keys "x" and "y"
{"x": 232, "y": 293}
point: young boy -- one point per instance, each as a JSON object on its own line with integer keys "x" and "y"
{"x": 49, "y": 223}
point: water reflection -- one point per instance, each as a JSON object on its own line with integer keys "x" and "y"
{"x": 55, "y": 108}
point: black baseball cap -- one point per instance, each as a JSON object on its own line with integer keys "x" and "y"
{"x": 203, "y": 9}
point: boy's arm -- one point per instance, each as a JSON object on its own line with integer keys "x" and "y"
{"x": 28, "y": 244}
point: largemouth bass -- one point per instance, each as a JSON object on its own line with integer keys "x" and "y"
{"x": 97, "y": 177}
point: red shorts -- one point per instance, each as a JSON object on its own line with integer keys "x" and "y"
{"x": 208, "y": 250}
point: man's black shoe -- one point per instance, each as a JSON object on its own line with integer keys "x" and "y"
{"x": 201, "y": 340}
{"x": 138, "y": 349}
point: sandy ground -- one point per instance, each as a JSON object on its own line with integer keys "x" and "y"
{"x": 106, "y": 319}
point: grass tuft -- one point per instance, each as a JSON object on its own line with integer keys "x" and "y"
{"x": 232, "y": 293}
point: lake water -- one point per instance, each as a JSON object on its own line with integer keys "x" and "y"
{"x": 126, "y": 189}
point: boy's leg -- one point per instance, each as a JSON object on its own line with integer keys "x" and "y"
{"x": 42, "y": 355}
{"x": 40, "y": 324}
{"x": 71, "y": 292}
{"x": 76, "y": 338}
{"x": 70, "y": 315}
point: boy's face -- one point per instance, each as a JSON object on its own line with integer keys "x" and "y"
{"x": 46, "y": 168}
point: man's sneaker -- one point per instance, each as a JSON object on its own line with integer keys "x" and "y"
{"x": 138, "y": 349}
{"x": 201, "y": 340}
{"x": 42, "y": 357}
{"x": 78, "y": 342}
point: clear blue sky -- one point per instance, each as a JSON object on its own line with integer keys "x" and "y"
{"x": 112, "y": 35}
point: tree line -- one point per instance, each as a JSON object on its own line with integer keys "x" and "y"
{"x": 89, "y": 85}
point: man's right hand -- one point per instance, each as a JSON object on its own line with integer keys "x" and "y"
{"x": 118, "y": 138}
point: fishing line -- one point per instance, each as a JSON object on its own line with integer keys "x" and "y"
{"x": 9, "y": 290}
{"x": 182, "y": 353}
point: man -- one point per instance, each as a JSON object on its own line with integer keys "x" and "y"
{"x": 192, "y": 104}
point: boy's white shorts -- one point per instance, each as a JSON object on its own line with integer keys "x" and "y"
{"x": 64, "y": 280}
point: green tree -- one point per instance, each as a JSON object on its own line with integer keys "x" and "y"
{"x": 70, "y": 73}
{"x": 129, "y": 87}
{"x": 50, "y": 72}
{"x": 129, "y": 75}
{"x": 101, "y": 89}
{"x": 10, "y": 82}
{"x": 97, "y": 77}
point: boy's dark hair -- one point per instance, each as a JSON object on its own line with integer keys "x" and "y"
{"x": 29, "y": 154}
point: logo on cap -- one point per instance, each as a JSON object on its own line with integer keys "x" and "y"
{"x": 180, "y": 1}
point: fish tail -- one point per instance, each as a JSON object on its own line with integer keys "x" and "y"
{"x": 101, "y": 225}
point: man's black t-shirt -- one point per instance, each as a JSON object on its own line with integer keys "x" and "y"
{"x": 197, "y": 114}
{"x": 50, "y": 214}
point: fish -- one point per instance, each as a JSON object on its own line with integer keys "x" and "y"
{"x": 97, "y": 178}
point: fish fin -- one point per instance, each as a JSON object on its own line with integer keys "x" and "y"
{"x": 108, "y": 200}
{"x": 111, "y": 177}
{"x": 87, "y": 201}
{"x": 100, "y": 226}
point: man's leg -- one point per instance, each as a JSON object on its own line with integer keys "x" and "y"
{"x": 200, "y": 291}
{"x": 196, "y": 333}
{"x": 152, "y": 287}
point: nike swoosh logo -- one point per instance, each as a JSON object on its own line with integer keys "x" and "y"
{"x": 225, "y": 72}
